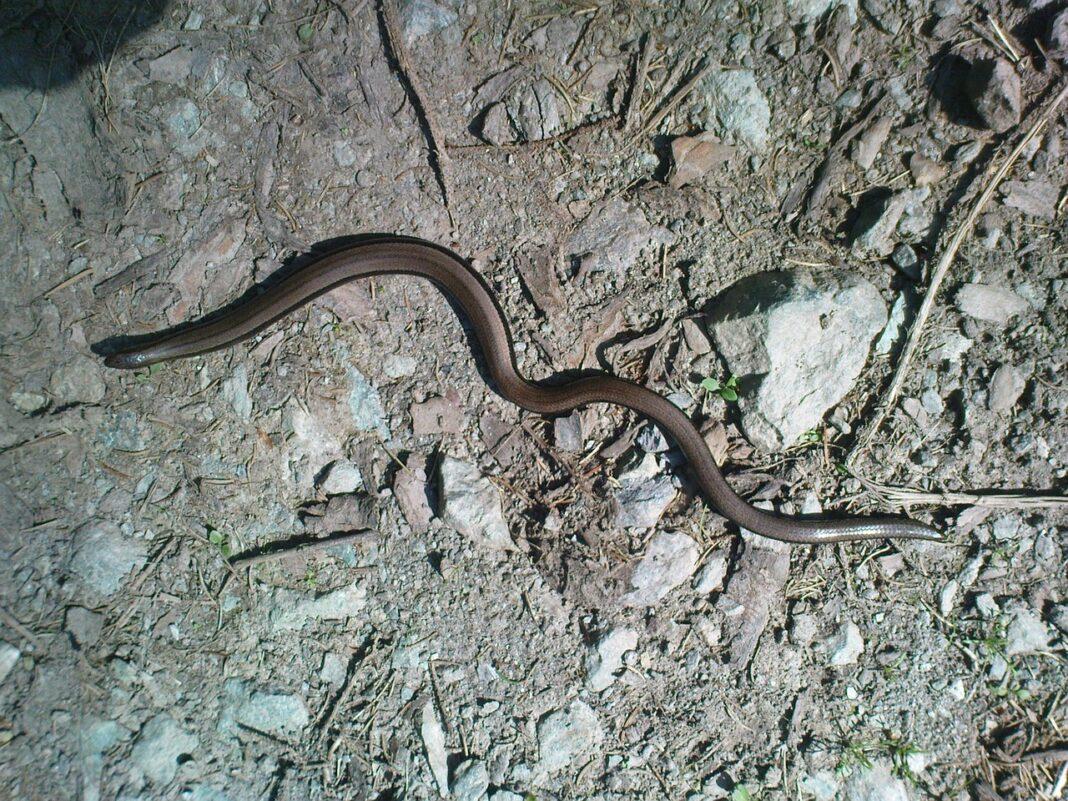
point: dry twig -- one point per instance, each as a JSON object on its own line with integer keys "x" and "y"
{"x": 302, "y": 548}
{"x": 904, "y": 496}
{"x": 439, "y": 159}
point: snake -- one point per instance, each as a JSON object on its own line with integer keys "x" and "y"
{"x": 393, "y": 255}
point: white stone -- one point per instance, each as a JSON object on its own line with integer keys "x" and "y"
{"x": 161, "y": 743}
{"x": 845, "y": 646}
{"x": 605, "y": 659}
{"x": 669, "y": 560}
{"x": 565, "y": 735}
{"x": 797, "y": 342}
{"x": 472, "y": 505}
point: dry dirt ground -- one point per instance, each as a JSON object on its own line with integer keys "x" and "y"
{"x": 513, "y": 623}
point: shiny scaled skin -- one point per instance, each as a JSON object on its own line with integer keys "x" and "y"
{"x": 395, "y": 255}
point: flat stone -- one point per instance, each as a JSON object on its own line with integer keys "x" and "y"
{"x": 755, "y": 588}
{"x": 669, "y": 560}
{"x": 1006, "y": 386}
{"x": 290, "y": 612}
{"x": 365, "y": 405}
{"x": 696, "y": 339}
{"x": 822, "y": 785}
{"x": 867, "y": 146}
{"x": 694, "y": 156}
{"x": 419, "y": 18}
{"x": 434, "y": 743}
{"x": 993, "y": 87}
{"x": 84, "y": 625}
{"x": 788, "y": 381}
{"x": 79, "y": 380}
{"x": 334, "y": 669}
{"x": 9, "y": 657}
{"x": 235, "y": 392}
{"x": 399, "y": 366}
{"x": 1057, "y": 37}
{"x": 160, "y": 745}
{"x": 535, "y": 111}
{"x": 567, "y": 432}
{"x": 876, "y": 228}
{"x": 410, "y": 485}
{"x": 712, "y": 573}
{"x": 436, "y": 415}
{"x": 472, "y": 505}
{"x": 277, "y": 714}
{"x": 102, "y": 556}
{"x": 612, "y": 237}
{"x": 471, "y": 781}
{"x": 992, "y": 304}
{"x": 732, "y": 103}
{"x": 642, "y": 496}
{"x": 925, "y": 171}
{"x": 566, "y": 735}
{"x": 1036, "y": 197}
{"x": 341, "y": 478}
{"x": 1026, "y": 633}
{"x": 605, "y": 659}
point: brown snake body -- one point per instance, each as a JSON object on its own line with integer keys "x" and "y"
{"x": 395, "y": 255}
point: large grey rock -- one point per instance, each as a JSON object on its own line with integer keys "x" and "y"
{"x": 161, "y": 743}
{"x": 103, "y": 556}
{"x": 797, "y": 342}
{"x": 79, "y": 380}
{"x": 612, "y": 237}
{"x": 993, "y": 87}
{"x": 644, "y": 493}
{"x": 472, "y": 505}
{"x": 670, "y": 559}
{"x": 566, "y": 734}
{"x": 277, "y": 714}
{"x": 290, "y": 611}
{"x": 471, "y": 781}
{"x": 1025, "y": 633}
{"x": 605, "y": 659}
{"x": 734, "y": 106}
{"x": 992, "y": 304}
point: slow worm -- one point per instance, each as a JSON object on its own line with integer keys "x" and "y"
{"x": 396, "y": 255}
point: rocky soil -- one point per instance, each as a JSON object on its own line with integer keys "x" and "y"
{"x": 330, "y": 563}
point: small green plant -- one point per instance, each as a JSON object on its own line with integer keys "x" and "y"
{"x": 854, "y": 755}
{"x": 741, "y": 793}
{"x": 857, "y": 754}
{"x": 310, "y": 579}
{"x": 142, "y": 376}
{"x": 220, "y": 541}
{"x": 727, "y": 390}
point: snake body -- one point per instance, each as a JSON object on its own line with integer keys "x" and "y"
{"x": 395, "y": 255}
